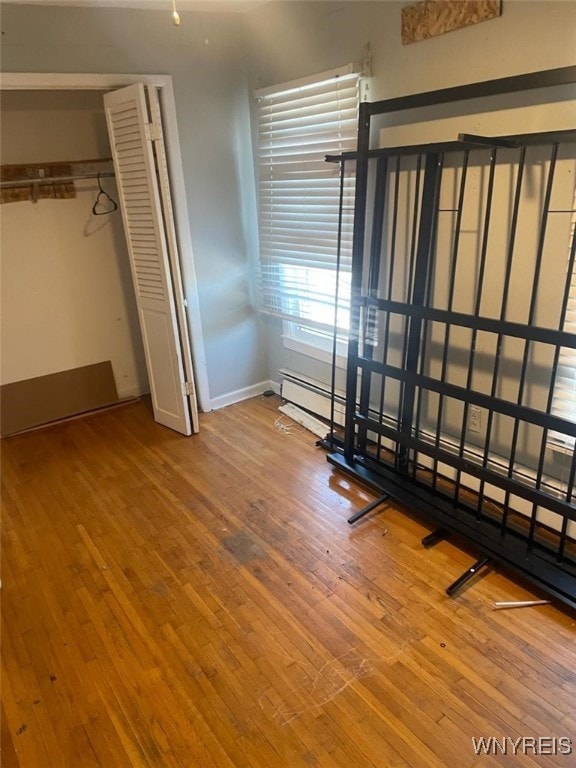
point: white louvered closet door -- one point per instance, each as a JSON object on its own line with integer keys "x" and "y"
{"x": 132, "y": 138}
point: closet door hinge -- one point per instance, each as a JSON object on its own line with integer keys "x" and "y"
{"x": 153, "y": 131}
{"x": 188, "y": 388}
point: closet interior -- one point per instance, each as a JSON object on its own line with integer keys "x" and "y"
{"x": 70, "y": 334}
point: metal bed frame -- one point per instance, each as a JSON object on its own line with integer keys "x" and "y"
{"x": 403, "y": 385}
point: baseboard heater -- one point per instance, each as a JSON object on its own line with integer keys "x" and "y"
{"x": 312, "y": 395}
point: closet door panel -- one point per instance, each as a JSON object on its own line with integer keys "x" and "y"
{"x": 172, "y": 242}
{"x": 134, "y": 161}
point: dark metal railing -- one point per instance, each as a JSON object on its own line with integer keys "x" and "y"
{"x": 422, "y": 277}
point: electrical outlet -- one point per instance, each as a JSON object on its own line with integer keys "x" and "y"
{"x": 474, "y": 418}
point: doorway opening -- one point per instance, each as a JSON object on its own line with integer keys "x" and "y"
{"x": 161, "y": 90}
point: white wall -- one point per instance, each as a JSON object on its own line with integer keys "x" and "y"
{"x": 288, "y": 40}
{"x": 204, "y": 56}
{"x": 67, "y": 297}
{"x": 42, "y": 126}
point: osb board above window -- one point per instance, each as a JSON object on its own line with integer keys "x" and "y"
{"x": 431, "y": 18}
{"x": 32, "y": 191}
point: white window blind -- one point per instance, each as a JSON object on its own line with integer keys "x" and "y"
{"x": 299, "y": 195}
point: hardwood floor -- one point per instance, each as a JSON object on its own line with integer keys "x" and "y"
{"x": 202, "y": 601}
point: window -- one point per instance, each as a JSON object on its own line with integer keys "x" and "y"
{"x": 299, "y": 202}
{"x": 564, "y": 403}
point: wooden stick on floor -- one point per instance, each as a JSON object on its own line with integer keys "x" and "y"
{"x": 499, "y": 605}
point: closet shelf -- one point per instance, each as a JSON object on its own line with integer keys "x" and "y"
{"x": 54, "y": 179}
{"x": 27, "y": 174}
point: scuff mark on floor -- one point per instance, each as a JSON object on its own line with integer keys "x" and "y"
{"x": 315, "y": 691}
{"x": 321, "y": 687}
{"x": 330, "y": 680}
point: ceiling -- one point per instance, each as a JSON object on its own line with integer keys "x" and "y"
{"x": 223, "y": 6}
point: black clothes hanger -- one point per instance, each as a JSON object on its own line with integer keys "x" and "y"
{"x": 101, "y": 207}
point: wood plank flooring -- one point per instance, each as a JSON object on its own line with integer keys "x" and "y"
{"x": 202, "y": 602}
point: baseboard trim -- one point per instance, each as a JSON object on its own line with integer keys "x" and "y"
{"x": 244, "y": 394}
{"x": 135, "y": 391}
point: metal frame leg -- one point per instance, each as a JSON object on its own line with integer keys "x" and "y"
{"x": 469, "y": 574}
{"x": 368, "y": 508}
{"x": 433, "y": 538}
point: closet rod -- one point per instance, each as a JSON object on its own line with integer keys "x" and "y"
{"x": 54, "y": 179}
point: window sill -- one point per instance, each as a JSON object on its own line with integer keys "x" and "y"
{"x": 565, "y": 449}
{"x": 310, "y": 350}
